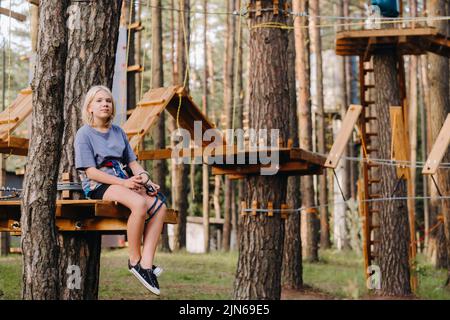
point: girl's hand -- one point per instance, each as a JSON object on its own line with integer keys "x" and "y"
{"x": 155, "y": 188}
{"x": 133, "y": 183}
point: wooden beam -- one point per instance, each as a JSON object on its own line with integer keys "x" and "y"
{"x": 17, "y": 16}
{"x": 387, "y": 33}
{"x": 352, "y": 115}
{"x": 14, "y": 145}
{"x": 399, "y": 142}
{"x": 439, "y": 149}
{"x": 135, "y": 68}
{"x": 91, "y": 214}
{"x": 252, "y": 169}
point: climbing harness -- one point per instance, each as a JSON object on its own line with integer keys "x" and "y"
{"x": 150, "y": 191}
{"x": 124, "y": 172}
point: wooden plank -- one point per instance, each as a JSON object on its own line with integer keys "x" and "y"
{"x": 151, "y": 103}
{"x": 415, "y": 41}
{"x": 252, "y": 169}
{"x": 8, "y": 121}
{"x": 14, "y": 145}
{"x": 399, "y": 142}
{"x": 80, "y": 210}
{"x": 199, "y": 220}
{"x": 164, "y": 154}
{"x": 9, "y": 225}
{"x": 19, "y": 109}
{"x": 350, "y": 119}
{"x": 111, "y": 209}
{"x": 135, "y": 68}
{"x": 17, "y": 16}
{"x": 136, "y": 26}
{"x": 307, "y": 156}
{"x": 387, "y": 33}
{"x": 439, "y": 149}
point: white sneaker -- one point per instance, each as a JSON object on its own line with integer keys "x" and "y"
{"x": 157, "y": 271}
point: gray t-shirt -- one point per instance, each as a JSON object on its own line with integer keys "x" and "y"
{"x": 92, "y": 147}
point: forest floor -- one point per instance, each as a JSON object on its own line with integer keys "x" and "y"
{"x": 338, "y": 275}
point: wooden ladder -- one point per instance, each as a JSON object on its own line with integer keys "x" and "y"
{"x": 370, "y": 210}
{"x": 370, "y": 171}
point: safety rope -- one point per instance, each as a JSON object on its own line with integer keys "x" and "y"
{"x": 186, "y": 53}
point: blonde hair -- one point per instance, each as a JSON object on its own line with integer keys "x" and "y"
{"x": 87, "y": 116}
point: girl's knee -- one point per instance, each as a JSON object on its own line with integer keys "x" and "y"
{"x": 162, "y": 211}
{"x": 139, "y": 207}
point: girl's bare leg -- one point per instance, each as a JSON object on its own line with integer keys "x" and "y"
{"x": 151, "y": 236}
{"x": 152, "y": 231}
{"x": 135, "y": 226}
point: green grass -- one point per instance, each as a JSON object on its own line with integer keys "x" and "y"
{"x": 201, "y": 276}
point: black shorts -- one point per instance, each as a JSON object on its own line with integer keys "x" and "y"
{"x": 98, "y": 193}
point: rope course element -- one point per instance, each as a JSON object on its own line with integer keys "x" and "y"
{"x": 246, "y": 12}
{"x": 296, "y": 210}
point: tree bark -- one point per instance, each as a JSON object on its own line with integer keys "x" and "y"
{"x": 309, "y": 221}
{"x": 259, "y": 266}
{"x": 394, "y": 227}
{"x": 228, "y": 83}
{"x": 159, "y": 166}
{"x": 316, "y": 49}
{"x": 91, "y": 50}
{"x": 413, "y": 111}
{"x": 39, "y": 234}
{"x": 239, "y": 100}
{"x": 292, "y": 251}
{"x": 439, "y": 93}
{"x": 341, "y": 234}
{"x": 205, "y": 169}
{"x": 182, "y": 170}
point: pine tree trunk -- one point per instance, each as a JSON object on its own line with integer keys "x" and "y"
{"x": 205, "y": 169}
{"x": 316, "y": 49}
{"x": 91, "y": 50}
{"x": 309, "y": 222}
{"x": 439, "y": 93}
{"x": 259, "y": 267}
{"x": 182, "y": 170}
{"x": 159, "y": 166}
{"x": 239, "y": 98}
{"x": 341, "y": 235}
{"x": 394, "y": 227}
{"x": 425, "y": 96}
{"x": 228, "y": 83}
{"x": 39, "y": 234}
{"x": 292, "y": 251}
{"x": 413, "y": 112}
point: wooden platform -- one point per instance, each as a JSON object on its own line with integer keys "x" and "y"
{"x": 292, "y": 161}
{"x": 78, "y": 215}
{"x": 410, "y": 41}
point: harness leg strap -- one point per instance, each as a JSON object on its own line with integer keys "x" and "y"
{"x": 159, "y": 197}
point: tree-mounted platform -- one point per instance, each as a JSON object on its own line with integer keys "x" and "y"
{"x": 236, "y": 164}
{"x": 408, "y": 41}
{"x": 291, "y": 162}
{"x": 10, "y": 119}
{"x": 106, "y": 217}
